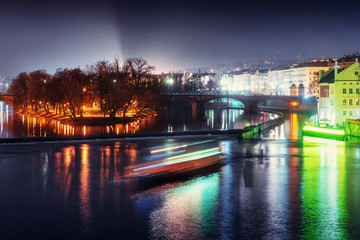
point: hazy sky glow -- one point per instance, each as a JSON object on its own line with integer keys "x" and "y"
{"x": 171, "y": 35}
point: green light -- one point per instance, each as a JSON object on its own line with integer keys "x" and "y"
{"x": 324, "y": 209}
{"x": 200, "y": 142}
{"x": 198, "y": 156}
{"x": 192, "y": 154}
{"x": 321, "y": 140}
{"x": 324, "y": 130}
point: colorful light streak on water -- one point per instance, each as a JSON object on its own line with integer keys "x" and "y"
{"x": 323, "y": 191}
{"x": 188, "y": 211}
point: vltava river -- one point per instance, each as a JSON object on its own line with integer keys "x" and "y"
{"x": 279, "y": 186}
{"x": 22, "y": 125}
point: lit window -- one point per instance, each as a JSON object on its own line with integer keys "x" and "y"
{"x": 344, "y": 90}
{"x": 350, "y": 101}
{"x": 344, "y": 101}
{"x": 357, "y": 101}
{"x": 350, "y": 91}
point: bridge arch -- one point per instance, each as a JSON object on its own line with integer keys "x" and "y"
{"x": 226, "y": 103}
{"x": 7, "y": 98}
{"x": 270, "y": 104}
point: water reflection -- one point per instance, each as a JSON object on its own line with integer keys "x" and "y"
{"x": 5, "y": 110}
{"x": 293, "y": 190}
{"x": 84, "y": 193}
{"x": 324, "y": 191}
{"x": 20, "y": 125}
{"x": 188, "y": 211}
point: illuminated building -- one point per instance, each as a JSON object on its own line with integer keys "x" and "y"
{"x": 241, "y": 81}
{"x": 4, "y": 83}
{"x": 304, "y": 78}
{"x": 250, "y": 82}
{"x": 279, "y": 81}
{"x": 296, "y": 80}
{"x": 339, "y": 94}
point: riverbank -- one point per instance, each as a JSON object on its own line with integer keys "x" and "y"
{"x": 85, "y": 120}
{"x": 234, "y": 132}
{"x": 121, "y": 136}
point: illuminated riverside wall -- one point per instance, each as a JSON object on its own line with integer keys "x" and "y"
{"x": 255, "y": 130}
{"x": 352, "y": 127}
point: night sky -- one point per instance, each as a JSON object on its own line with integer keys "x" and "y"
{"x": 172, "y": 35}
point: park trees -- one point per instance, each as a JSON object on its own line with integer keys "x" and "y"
{"x": 74, "y": 86}
{"x": 29, "y": 90}
{"x": 19, "y": 89}
{"x": 127, "y": 90}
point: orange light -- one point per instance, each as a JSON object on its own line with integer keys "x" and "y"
{"x": 84, "y": 89}
{"x": 293, "y": 104}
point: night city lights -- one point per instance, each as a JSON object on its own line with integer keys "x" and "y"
{"x": 179, "y": 119}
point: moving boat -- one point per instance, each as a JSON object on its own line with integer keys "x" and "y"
{"x": 182, "y": 163}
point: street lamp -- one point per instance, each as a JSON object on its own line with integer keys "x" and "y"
{"x": 169, "y": 82}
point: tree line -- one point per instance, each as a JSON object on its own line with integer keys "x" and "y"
{"x": 118, "y": 89}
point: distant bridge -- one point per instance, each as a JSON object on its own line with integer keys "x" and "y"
{"x": 7, "y": 98}
{"x": 251, "y": 103}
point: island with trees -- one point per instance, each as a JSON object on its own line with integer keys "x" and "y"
{"x": 104, "y": 93}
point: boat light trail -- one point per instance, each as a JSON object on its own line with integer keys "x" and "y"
{"x": 164, "y": 155}
{"x": 167, "y": 149}
{"x": 183, "y": 158}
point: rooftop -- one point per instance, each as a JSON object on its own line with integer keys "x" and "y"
{"x": 312, "y": 64}
{"x": 329, "y": 77}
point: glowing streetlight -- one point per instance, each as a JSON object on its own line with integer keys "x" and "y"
{"x": 169, "y": 82}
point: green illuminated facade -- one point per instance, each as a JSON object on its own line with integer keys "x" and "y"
{"x": 340, "y": 95}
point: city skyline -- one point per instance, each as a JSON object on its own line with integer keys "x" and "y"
{"x": 171, "y": 35}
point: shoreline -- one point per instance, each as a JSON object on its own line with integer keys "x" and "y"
{"x": 237, "y": 132}
{"x": 120, "y": 136}
{"x": 84, "y": 121}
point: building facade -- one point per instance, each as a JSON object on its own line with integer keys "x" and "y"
{"x": 340, "y": 94}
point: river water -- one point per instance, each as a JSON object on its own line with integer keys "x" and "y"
{"x": 280, "y": 186}
{"x": 14, "y": 124}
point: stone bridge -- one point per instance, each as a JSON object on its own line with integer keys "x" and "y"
{"x": 251, "y": 103}
{"x": 7, "y": 98}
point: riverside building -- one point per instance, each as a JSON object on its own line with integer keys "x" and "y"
{"x": 340, "y": 94}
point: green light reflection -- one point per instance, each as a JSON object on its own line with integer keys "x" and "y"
{"x": 189, "y": 211}
{"x": 323, "y": 191}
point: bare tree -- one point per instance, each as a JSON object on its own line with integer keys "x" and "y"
{"x": 19, "y": 89}
{"x": 102, "y": 74}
